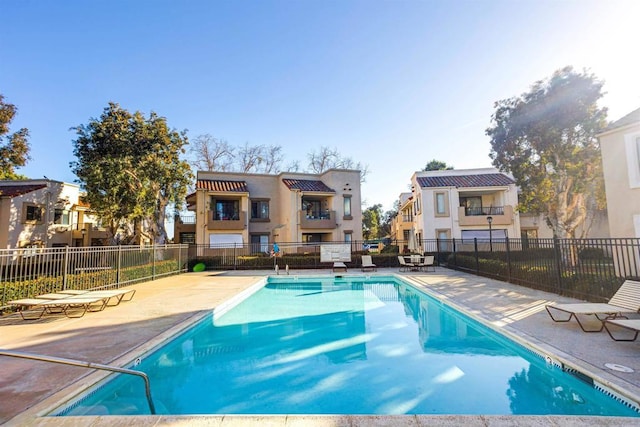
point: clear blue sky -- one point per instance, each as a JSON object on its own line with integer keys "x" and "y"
{"x": 391, "y": 84}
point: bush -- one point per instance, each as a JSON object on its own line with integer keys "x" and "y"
{"x": 591, "y": 253}
{"x": 390, "y": 249}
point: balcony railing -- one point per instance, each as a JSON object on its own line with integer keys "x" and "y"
{"x": 233, "y": 222}
{"x": 502, "y": 215}
{"x": 493, "y": 210}
{"x": 187, "y": 219}
{"x": 317, "y": 220}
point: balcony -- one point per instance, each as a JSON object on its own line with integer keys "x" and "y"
{"x": 320, "y": 220}
{"x": 407, "y": 218}
{"x": 502, "y": 215}
{"x": 226, "y": 223}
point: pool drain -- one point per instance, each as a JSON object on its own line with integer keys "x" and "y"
{"x": 619, "y": 368}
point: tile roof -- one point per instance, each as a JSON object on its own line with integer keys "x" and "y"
{"x": 482, "y": 180}
{"x": 12, "y": 190}
{"x": 307, "y": 185}
{"x": 222, "y": 186}
{"x": 632, "y": 117}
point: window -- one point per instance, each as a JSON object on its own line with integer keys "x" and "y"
{"x": 227, "y": 210}
{"x": 189, "y": 238}
{"x": 32, "y": 214}
{"x": 472, "y": 205}
{"x": 260, "y": 209}
{"x": 348, "y": 236}
{"x": 225, "y": 240}
{"x": 60, "y": 216}
{"x": 314, "y": 210}
{"x": 442, "y": 208}
{"x": 347, "y": 206}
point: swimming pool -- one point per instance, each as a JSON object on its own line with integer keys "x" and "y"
{"x": 346, "y": 346}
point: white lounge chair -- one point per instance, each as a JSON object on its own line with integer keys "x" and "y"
{"x": 625, "y": 300}
{"x": 367, "y": 263}
{"x": 61, "y": 305}
{"x": 117, "y": 295}
{"x": 630, "y": 324}
{"x": 339, "y": 266}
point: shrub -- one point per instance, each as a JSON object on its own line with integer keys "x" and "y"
{"x": 591, "y": 253}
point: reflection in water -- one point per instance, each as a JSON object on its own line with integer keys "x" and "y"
{"x": 348, "y": 347}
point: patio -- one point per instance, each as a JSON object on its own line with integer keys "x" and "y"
{"x": 28, "y": 388}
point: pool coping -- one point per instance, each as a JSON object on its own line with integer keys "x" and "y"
{"x": 36, "y": 415}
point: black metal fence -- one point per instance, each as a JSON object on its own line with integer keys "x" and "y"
{"x": 590, "y": 269}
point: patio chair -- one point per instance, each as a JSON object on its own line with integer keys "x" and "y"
{"x": 339, "y": 266}
{"x": 630, "y": 324}
{"x": 367, "y": 263}
{"x": 61, "y": 305}
{"x": 118, "y": 295}
{"x": 428, "y": 262}
{"x": 625, "y": 300}
{"x": 404, "y": 265}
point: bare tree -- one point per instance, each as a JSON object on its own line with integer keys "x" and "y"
{"x": 250, "y": 157}
{"x": 272, "y": 159}
{"x": 293, "y": 166}
{"x": 329, "y": 158}
{"x": 212, "y": 154}
{"x": 325, "y": 159}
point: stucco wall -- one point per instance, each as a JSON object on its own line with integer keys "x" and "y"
{"x": 620, "y": 163}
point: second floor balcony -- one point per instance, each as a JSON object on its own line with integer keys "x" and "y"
{"x": 217, "y": 221}
{"x": 501, "y": 215}
{"x": 317, "y": 220}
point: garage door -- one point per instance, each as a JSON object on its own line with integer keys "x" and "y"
{"x": 225, "y": 240}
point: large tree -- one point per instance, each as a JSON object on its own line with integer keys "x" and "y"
{"x": 372, "y": 222}
{"x": 14, "y": 148}
{"x": 546, "y": 138}
{"x": 131, "y": 169}
{"x": 437, "y": 165}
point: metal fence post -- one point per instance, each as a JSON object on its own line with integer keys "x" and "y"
{"x": 153, "y": 262}
{"x": 558, "y": 255}
{"x": 506, "y": 241}
{"x": 455, "y": 257}
{"x": 65, "y": 268}
{"x": 475, "y": 251}
{"x": 118, "y": 267}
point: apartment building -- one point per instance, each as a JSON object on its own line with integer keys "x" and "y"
{"x": 402, "y": 224}
{"x": 45, "y": 213}
{"x": 620, "y": 147}
{"x": 239, "y": 208}
{"x": 463, "y": 204}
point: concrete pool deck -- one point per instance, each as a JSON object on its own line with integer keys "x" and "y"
{"x": 160, "y": 308}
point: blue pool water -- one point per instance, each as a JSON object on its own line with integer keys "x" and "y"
{"x": 349, "y": 346}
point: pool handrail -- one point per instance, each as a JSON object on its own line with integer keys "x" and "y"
{"x": 73, "y": 362}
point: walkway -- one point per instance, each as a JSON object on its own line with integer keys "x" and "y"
{"x": 29, "y": 388}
